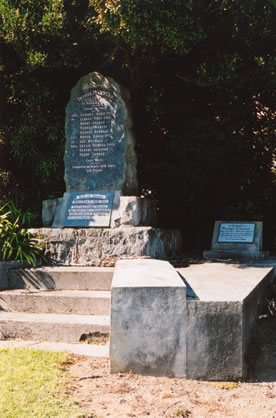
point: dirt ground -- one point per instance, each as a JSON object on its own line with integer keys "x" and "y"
{"x": 128, "y": 395}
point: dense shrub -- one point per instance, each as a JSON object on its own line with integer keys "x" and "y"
{"x": 16, "y": 242}
{"x": 202, "y": 82}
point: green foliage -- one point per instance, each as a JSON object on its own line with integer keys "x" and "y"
{"x": 45, "y": 47}
{"x": 35, "y": 140}
{"x": 202, "y": 81}
{"x": 152, "y": 24}
{"x": 17, "y": 243}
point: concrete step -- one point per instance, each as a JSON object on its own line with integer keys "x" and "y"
{"x": 60, "y": 277}
{"x": 86, "y": 302}
{"x": 90, "y": 350}
{"x": 50, "y": 327}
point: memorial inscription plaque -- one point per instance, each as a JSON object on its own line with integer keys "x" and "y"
{"x": 99, "y": 154}
{"x": 236, "y": 232}
{"x": 89, "y": 209}
{"x": 236, "y": 240}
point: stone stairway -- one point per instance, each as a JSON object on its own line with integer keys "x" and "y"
{"x": 63, "y": 304}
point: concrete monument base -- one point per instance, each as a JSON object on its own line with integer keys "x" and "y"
{"x": 221, "y": 314}
{"x": 148, "y": 319}
{"x": 157, "y": 330}
{"x": 90, "y": 246}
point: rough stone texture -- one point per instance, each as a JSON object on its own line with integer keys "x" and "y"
{"x": 99, "y": 153}
{"x": 48, "y": 211}
{"x": 254, "y": 303}
{"x": 91, "y": 245}
{"x": 126, "y": 210}
{"x": 148, "y": 319}
{"x": 146, "y": 241}
{"x": 133, "y": 211}
{"x": 214, "y": 340}
{"x": 236, "y": 250}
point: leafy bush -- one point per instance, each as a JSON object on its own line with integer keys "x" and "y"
{"x": 16, "y": 243}
{"x": 202, "y": 81}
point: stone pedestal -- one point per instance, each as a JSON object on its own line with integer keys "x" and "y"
{"x": 92, "y": 246}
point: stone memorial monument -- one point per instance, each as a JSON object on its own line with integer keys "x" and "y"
{"x": 101, "y": 183}
{"x": 236, "y": 240}
{"x": 99, "y": 154}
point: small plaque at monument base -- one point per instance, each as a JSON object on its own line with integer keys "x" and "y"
{"x": 89, "y": 210}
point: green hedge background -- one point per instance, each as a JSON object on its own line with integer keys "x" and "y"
{"x": 201, "y": 75}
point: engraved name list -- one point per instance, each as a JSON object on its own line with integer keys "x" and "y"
{"x": 91, "y": 143}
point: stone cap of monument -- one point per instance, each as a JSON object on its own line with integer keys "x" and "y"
{"x": 99, "y": 151}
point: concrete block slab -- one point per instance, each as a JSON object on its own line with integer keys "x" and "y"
{"x": 85, "y": 302}
{"x": 220, "y": 319}
{"x": 214, "y": 340}
{"x": 50, "y": 327}
{"x": 223, "y": 282}
{"x": 61, "y": 278}
{"x": 148, "y": 319}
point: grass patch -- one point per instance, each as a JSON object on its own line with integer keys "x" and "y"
{"x": 33, "y": 384}
{"x": 226, "y": 385}
{"x": 182, "y": 412}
